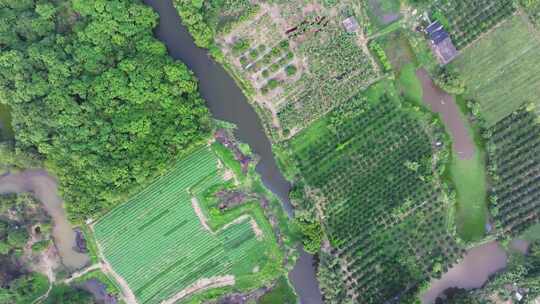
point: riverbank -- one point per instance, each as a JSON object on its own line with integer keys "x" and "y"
{"x": 467, "y": 167}
{"x": 227, "y": 102}
{"x": 44, "y": 188}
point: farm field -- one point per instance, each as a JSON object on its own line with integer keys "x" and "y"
{"x": 370, "y": 173}
{"x": 297, "y": 61}
{"x": 502, "y": 70}
{"x": 515, "y": 164}
{"x": 185, "y": 248}
{"x": 468, "y": 20}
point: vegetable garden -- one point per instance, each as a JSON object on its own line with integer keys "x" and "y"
{"x": 178, "y": 249}
{"x": 514, "y": 151}
{"x": 375, "y": 174}
{"x": 298, "y": 62}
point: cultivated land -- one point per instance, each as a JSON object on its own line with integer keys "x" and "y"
{"x": 297, "y": 61}
{"x": 164, "y": 246}
{"x": 515, "y": 165}
{"x": 466, "y": 21}
{"x": 501, "y": 69}
{"x": 370, "y": 169}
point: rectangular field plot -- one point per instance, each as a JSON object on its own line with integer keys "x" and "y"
{"x": 502, "y": 70}
{"x": 157, "y": 243}
{"x": 385, "y": 213}
{"x": 299, "y": 61}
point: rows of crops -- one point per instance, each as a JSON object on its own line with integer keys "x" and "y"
{"x": 515, "y": 161}
{"x": 469, "y": 19}
{"x": 338, "y": 69}
{"x": 156, "y": 242}
{"x": 385, "y": 213}
{"x": 502, "y": 70}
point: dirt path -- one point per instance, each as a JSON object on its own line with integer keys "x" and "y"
{"x": 445, "y": 104}
{"x": 127, "y": 294}
{"x": 82, "y": 272}
{"x": 201, "y": 285}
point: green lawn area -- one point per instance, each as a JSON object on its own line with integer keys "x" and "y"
{"x": 532, "y": 234}
{"x": 159, "y": 245}
{"x": 409, "y": 84}
{"x": 282, "y": 294}
{"x": 469, "y": 178}
{"x": 502, "y": 70}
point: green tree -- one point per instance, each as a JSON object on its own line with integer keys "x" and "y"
{"x": 27, "y": 289}
{"x": 94, "y": 94}
{"x": 65, "y": 294}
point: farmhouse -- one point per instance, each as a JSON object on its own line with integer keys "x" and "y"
{"x": 441, "y": 43}
{"x": 350, "y": 24}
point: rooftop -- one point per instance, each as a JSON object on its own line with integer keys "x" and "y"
{"x": 441, "y": 43}
{"x": 350, "y": 24}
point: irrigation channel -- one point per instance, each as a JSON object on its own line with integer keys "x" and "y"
{"x": 227, "y": 102}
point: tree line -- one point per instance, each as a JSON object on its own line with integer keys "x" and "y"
{"x": 95, "y": 96}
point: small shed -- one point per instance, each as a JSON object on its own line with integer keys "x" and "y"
{"x": 441, "y": 43}
{"x": 350, "y": 24}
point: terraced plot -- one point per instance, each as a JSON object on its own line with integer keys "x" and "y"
{"x": 157, "y": 243}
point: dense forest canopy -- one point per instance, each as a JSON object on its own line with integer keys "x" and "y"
{"x": 95, "y": 95}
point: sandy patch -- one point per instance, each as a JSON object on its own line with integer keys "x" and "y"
{"x": 201, "y": 285}
{"x": 200, "y": 214}
{"x": 228, "y": 175}
{"x": 256, "y": 229}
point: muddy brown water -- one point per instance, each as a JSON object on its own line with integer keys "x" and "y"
{"x": 44, "y": 188}
{"x": 227, "y": 102}
{"x": 445, "y": 104}
{"x": 473, "y": 271}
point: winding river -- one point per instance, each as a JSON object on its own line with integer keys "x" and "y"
{"x": 227, "y": 102}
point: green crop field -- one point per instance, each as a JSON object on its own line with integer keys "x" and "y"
{"x": 502, "y": 70}
{"x": 371, "y": 169}
{"x": 157, "y": 243}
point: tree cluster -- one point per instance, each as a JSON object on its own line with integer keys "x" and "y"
{"x": 95, "y": 95}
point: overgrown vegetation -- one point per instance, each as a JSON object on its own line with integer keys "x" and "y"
{"x": 95, "y": 95}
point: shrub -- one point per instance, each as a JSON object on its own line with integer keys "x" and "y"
{"x": 290, "y": 70}
{"x": 273, "y": 83}
{"x": 265, "y": 73}
{"x": 274, "y": 67}
{"x": 240, "y": 46}
{"x": 253, "y": 54}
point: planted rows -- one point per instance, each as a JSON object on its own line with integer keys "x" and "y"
{"x": 469, "y": 19}
{"x": 157, "y": 243}
{"x": 384, "y": 212}
{"x": 515, "y": 163}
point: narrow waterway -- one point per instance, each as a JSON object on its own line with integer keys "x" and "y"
{"x": 44, "y": 188}
{"x": 227, "y": 102}
{"x": 445, "y": 104}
